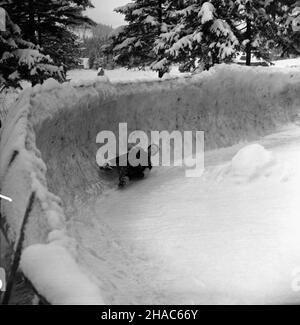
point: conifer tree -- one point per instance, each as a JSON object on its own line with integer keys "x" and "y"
{"x": 200, "y": 32}
{"x": 133, "y": 44}
{"x": 290, "y": 30}
{"x": 49, "y": 23}
{"x": 193, "y": 32}
{"x": 22, "y": 60}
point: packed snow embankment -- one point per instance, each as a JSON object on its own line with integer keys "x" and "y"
{"x": 49, "y": 144}
{"x": 49, "y": 253}
{"x": 229, "y": 104}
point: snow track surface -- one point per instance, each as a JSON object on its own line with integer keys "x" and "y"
{"x": 214, "y": 240}
{"x": 167, "y": 239}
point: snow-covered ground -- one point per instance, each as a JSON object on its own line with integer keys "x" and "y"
{"x": 231, "y": 236}
{"x": 288, "y": 63}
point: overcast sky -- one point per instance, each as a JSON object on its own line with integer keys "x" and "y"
{"x": 104, "y": 12}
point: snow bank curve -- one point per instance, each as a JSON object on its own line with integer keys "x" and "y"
{"x": 48, "y": 144}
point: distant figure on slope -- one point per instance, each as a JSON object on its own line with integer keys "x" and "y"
{"x": 100, "y": 72}
{"x": 129, "y": 172}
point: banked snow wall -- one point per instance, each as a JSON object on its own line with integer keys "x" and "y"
{"x": 48, "y": 146}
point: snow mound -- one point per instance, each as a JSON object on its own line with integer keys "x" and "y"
{"x": 62, "y": 283}
{"x": 251, "y": 161}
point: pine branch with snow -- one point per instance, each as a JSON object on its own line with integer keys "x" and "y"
{"x": 133, "y": 44}
{"x": 50, "y": 24}
{"x": 201, "y": 35}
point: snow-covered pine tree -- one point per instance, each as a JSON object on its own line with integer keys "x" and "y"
{"x": 22, "y": 60}
{"x": 173, "y": 8}
{"x": 94, "y": 46}
{"x": 214, "y": 31}
{"x": 296, "y": 17}
{"x": 259, "y": 25}
{"x": 296, "y": 27}
{"x": 198, "y": 31}
{"x": 65, "y": 50}
{"x": 290, "y": 28}
{"x": 133, "y": 44}
{"x": 48, "y": 23}
{"x": 202, "y": 31}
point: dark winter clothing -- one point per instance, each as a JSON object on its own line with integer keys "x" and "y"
{"x": 129, "y": 172}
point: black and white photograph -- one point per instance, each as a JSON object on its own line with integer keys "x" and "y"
{"x": 149, "y": 154}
